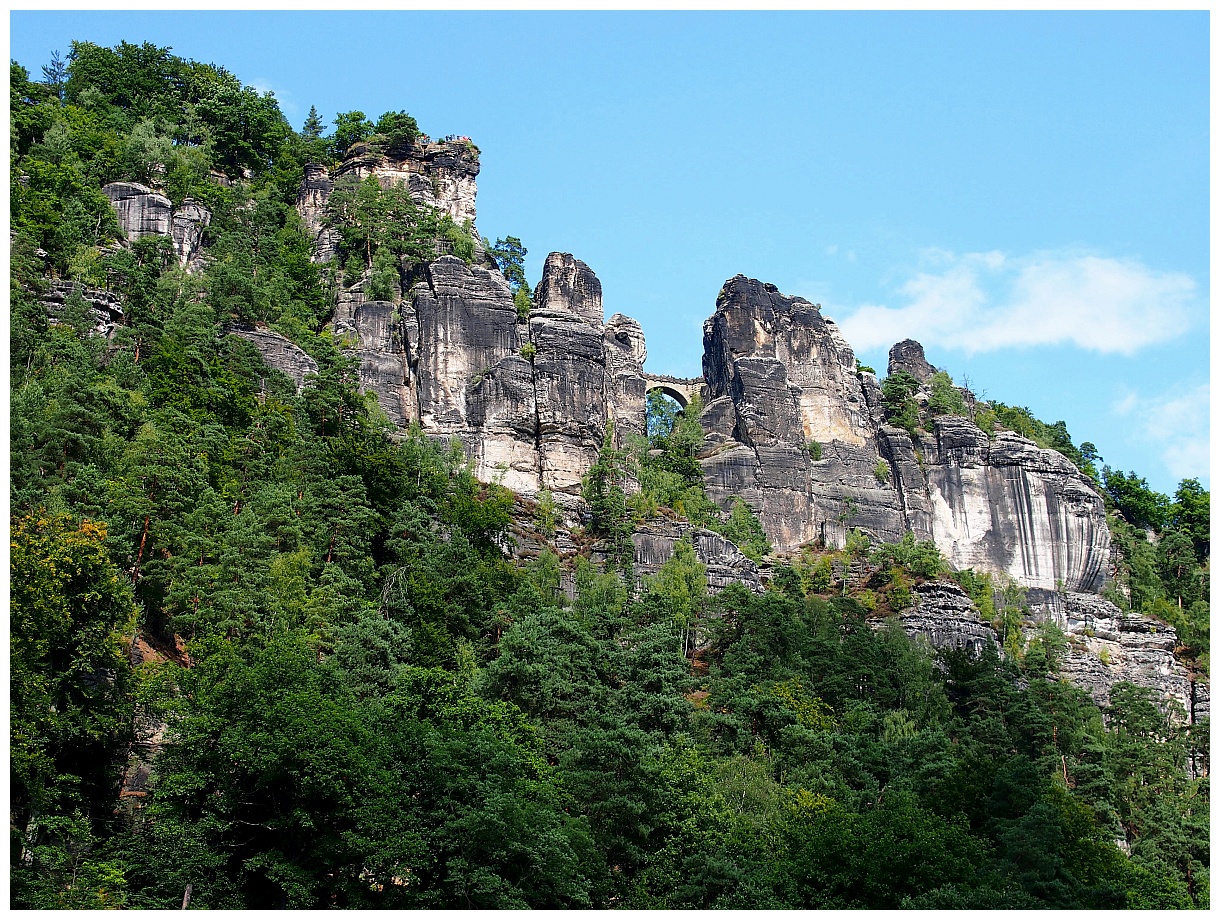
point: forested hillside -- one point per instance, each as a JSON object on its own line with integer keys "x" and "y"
{"x": 270, "y": 651}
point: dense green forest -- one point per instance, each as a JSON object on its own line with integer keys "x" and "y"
{"x": 366, "y": 703}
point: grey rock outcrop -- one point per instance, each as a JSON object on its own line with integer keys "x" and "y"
{"x": 780, "y": 377}
{"x": 1011, "y": 507}
{"x": 467, "y": 373}
{"x": 945, "y": 616}
{"x": 569, "y": 370}
{"x": 908, "y": 356}
{"x": 143, "y": 212}
{"x": 279, "y": 353}
{"x": 626, "y": 389}
{"x": 140, "y": 210}
{"x": 1107, "y": 646}
{"x": 568, "y": 285}
{"x": 105, "y": 307}
{"x": 312, "y": 197}
{"x": 726, "y": 565}
{"x": 441, "y": 174}
{"x": 381, "y": 338}
{"x": 186, "y": 228}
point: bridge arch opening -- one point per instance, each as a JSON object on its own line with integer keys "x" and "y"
{"x": 676, "y": 395}
{"x": 662, "y": 410}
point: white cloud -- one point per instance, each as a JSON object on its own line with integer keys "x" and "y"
{"x": 981, "y": 302}
{"x": 1179, "y": 421}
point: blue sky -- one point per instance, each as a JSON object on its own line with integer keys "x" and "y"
{"x": 1025, "y": 193}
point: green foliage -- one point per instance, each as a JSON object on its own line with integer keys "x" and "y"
{"x": 602, "y": 488}
{"x": 1052, "y": 437}
{"x": 881, "y": 472}
{"x": 398, "y": 128}
{"x": 981, "y": 589}
{"x": 1008, "y": 619}
{"x": 815, "y": 450}
{"x": 744, "y": 529}
{"x": 71, "y": 617}
{"x": 945, "y": 398}
{"x": 369, "y": 704}
{"x": 350, "y": 128}
{"x": 383, "y": 280}
{"x": 1139, "y": 505}
{"x": 920, "y": 557}
{"x": 509, "y": 256}
{"x": 897, "y": 397}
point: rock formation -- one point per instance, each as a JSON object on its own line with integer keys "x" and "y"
{"x": 141, "y": 211}
{"x": 788, "y": 424}
{"x": 908, "y": 356}
{"x": 105, "y": 308}
{"x": 1107, "y": 646}
{"x": 945, "y": 616}
{"x": 278, "y": 353}
{"x": 186, "y": 227}
{"x": 1009, "y": 506}
{"x": 441, "y": 175}
{"x": 311, "y": 205}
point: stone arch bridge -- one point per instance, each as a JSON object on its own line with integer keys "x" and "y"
{"x": 683, "y": 389}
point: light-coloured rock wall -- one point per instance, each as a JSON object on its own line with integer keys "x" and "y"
{"x": 140, "y": 210}
{"x": 1011, "y": 507}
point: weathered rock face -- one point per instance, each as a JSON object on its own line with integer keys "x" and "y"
{"x": 569, "y": 370}
{"x": 1107, "y": 646}
{"x": 141, "y": 211}
{"x": 780, "y": 379}
{"x": 467, "y": 373}
{"x": 106, "y": 308}
{"x": 568, "y": 285}
{"x": 279, "y": 353}
{"x": 311, "y": 205}
{"x": 441, "y": 175}
{"x": 382, "y": 349}
{"x": 186, "y": 227}
{"x": 945, "y": 616}
{"x": 1009, "y": 506}
{"x": 654, "y": 546}
{"x": 626, "y": 390}
{"x": 908, "y": 356}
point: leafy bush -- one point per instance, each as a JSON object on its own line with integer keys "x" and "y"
{"x": 881, "y": 471}
{"x": 920, "y": 557}
{"x": 945, "y": 398}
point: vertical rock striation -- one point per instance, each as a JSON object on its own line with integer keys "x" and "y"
{"x": 140, "y": 210}
{"x": 569, "y": 370}
{"x": 1009, "y": 506}
{"x": 789, "y": 428}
